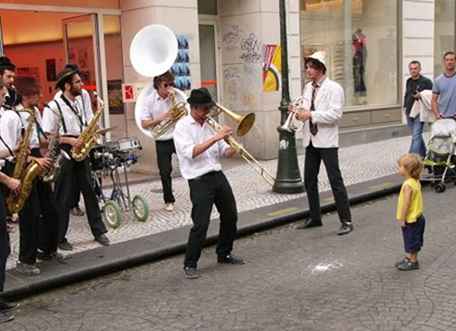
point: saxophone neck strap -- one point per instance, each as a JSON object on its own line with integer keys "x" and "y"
{"x": 74, "y": 110}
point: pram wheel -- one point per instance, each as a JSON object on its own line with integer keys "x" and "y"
{"x": 112, "y": 214}
{"x": 440, "y": 187}
{"x": 140, "y": 208}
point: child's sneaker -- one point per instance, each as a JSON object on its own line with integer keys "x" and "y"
{"x": 405, "y": 259}
{"x": 407, "y": 265}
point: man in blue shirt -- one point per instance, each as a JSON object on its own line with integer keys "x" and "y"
{"x": 444, "y": 90}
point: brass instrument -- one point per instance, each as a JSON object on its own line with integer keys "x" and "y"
{"x": 88, "y": 136}
{"x": 290, "y": 124}
{"x": 25, "y": 173}
{"x": 178, "y": 110}
{"x": 244, "y": 124}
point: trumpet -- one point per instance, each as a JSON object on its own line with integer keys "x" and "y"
{"x": 290, "y": 124}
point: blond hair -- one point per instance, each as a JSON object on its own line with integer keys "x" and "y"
{"x": 412, "y": 163}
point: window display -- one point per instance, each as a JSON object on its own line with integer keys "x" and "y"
{"x": 359, "y": 38}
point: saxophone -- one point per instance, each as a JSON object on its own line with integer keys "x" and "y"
{"x": 25, "y": 173}
{"x": 88, "y": 136}
{"x": 57, "y": 155}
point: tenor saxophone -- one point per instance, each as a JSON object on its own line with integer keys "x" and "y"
{"x": 88, "y": 136}
{"x": 26, "y": 173}
{"x": 57, "y": 155}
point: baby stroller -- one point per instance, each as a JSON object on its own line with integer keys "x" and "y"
{"x": 440, "y": 157}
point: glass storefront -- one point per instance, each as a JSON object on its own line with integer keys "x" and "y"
{"x": 359, "y": 38}
{"x": 444, "y": 31}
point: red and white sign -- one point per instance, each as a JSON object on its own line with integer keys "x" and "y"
{"x": 130, "y": 92}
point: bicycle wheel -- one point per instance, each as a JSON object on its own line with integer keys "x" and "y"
{"x": 140, "y": 208}
{"x": 112, "y": 214}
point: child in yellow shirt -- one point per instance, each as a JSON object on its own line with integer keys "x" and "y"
{"x": 410, "y": 210}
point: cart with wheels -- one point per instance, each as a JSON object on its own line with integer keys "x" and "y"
{"x": 112, "y": 159}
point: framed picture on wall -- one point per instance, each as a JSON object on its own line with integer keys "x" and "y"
{"x": 51, "y": 72}
{"x": 116, "y": 105}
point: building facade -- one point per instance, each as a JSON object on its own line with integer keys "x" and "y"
{"x": 233, "y": 48}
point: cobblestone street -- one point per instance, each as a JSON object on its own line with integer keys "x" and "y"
{"x": 293, "y": 280}
{"x": 358, "y": 163}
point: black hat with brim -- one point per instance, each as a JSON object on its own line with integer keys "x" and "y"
{"x": 63, "y": 76}
{"x": 200, "y": 97}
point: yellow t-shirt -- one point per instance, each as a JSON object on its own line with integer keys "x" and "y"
{"x": 416, "y": 204}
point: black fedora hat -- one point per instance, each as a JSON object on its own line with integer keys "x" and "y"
{"x": 62, "y": 77}
{"x": 200, "y": 97}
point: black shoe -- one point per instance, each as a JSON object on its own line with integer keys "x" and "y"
{"x": 308, "y": 223}
{"x": 103, "y": 240}
{"x": 50, "y": 256}
{"x": 65, "y": 246}
{"x": 191, "y": 273}
{"x": 345, "y": 228}
{"x": 230, "y": 259}
{"x": 6, "y": 316}
{"x": 8, "y": 306}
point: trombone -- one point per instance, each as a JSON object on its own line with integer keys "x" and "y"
{"x": 244, "y": 124}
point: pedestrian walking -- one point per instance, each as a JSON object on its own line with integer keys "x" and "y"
{"x": 444, "y": 90}
{"x": 410, "y": 210}
{"x": 415, "y": 84}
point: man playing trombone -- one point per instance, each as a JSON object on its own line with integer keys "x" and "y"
{"x": 157, "y": 109}
{"x": 199, "y": 149}
{"x": 322, "y": 107}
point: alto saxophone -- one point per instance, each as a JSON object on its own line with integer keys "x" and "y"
{"x": 88, "y": 136}
{"x": 25, "y": 173}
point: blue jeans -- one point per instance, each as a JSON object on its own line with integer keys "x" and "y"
{"x": 417, "y": 146}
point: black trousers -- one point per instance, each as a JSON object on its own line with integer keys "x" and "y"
{"x": 38, "y": 221}
{"x": 207, "y": 190}
{"x": 4, "y": 242}
{"x": 65, "y": 192}
{"x": 76, "y": 194}
{"x": 165, "y": 150}
{"x": 330, "y": 159}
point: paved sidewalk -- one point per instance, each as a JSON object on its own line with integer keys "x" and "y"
{"x": 358, "y": 163}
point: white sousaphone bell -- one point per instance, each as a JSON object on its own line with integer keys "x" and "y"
{"x": 152, "y": 52}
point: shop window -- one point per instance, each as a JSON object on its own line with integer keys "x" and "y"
{"x": 359, "y": 38}
{"x": 444, "y": 31}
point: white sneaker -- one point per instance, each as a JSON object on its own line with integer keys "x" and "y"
{"x": 169, "y": 207}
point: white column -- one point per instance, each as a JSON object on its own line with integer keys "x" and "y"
{"x": 418, "y": 36}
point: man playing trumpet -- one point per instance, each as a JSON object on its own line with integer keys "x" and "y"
{"x": 156, "y": 109}
{"x": 322, "y": 107}
{"x": 199, "y": 149}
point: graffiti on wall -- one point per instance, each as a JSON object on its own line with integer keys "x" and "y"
{"x": 231, "y": 36}
{"x": 251, "y": 49}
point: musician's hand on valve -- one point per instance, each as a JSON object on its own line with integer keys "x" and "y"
{"x": 224, "y": 133}
{"x": 44, "y": 162}
{"x": 303, "y": 115}
{"x": 78, "y": 143}
{"x": 13, "y": 184}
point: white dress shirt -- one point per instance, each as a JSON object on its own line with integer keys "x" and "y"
{"x": 329, "y": 102}
{"x": 189, "y": 133}
{"x": 72, "y": 120}
{"x": 11, "y": 125}
{"x": 155, "y": 105}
